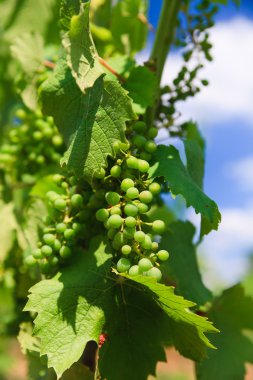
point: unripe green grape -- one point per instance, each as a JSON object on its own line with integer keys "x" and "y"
{"x": 128, "y": 232}
{"x": 146, "y": 197}
{"x": 130, "y": 221}
{"x": 153, "y": 257}
{"x": 73, "y": 180}
{"x": 132, "y": 162}
{"x": 46, "y": 250}
{"x": 147, "y": 242}
{"x": 37, "y": 254}
{"x": 76, "y": 200}
{"x": 57, "y": 245}
{"x": 130, "y": 209}
{"x": 150, "y": 146}
{"x": 100, "y": 173}
{"x": 49, "y": 239}
{"x": 37, "y": 135}
{"x": 111, "y": 233}
{"x": 154, "y": 246}
{"x": 30, "y": 261}
{"x": 139, "y": 127}
{"x": 155, "y": 273}
{"x": 126, "y": 184}
{"x": 60, "y": 228}
{"x": 144, "y": 264}
{"x": 143, "y": 166}
{"x": 152, "y": 132}
{"x": 115, "y": 221}
{"x": 139, "y": 141}
{"x": 57, "y": 178}
{"x": 69, "y": 234}
{"x": 155, "y": 188}
{"x": 52, "y": 196}
{"x": 47, "y": 132}
{"x": 45, "y": 267}
{"x": 40, "y": 159}
{"x": 53, "y": 261}
{"x": 126, "y": 249}
{"x": 118, "y": 240}
{"x": 143, "y": 208}
{"x": 60, "y": 204}
{"x": 102, "y": 215}
{"x": 112, "y": 198}
{"x": 163, "y": 255}
{"x": 124, "y": 146}
{"x": 132, "y": 193}
{"x": 64, "y": 185}
{"x": 57, "y": 141}
{"x": 77, "y": 227}
{"x": 158, "y": 227}
{"x": 21, "y": 114}
{"x": 115, "y": 171}
{"x": 123, "y": 265}
{"x": 115, "y": 210}
{"x": 134, "y": 270}
{"x": 145, "y": 156}
{"x": 65, "y": 252}
{"x": 139, "y": 236}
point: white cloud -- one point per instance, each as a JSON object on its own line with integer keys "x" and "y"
{"x": 241, "y": 172}
{"x": 230, "y": 93}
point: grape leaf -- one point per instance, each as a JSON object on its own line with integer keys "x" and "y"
{"x": 81, "y": 302}
{"x": 142, "y": 95}
{"x": 82, "y": 57}
{"x": 129, "y": 31}
{"x": 90, "y": 123}
{"x": 182, "y": 267}
{"x": 167, "y": 164}
{"x": 194, "y": 145}
{"x": 232, "y": 314}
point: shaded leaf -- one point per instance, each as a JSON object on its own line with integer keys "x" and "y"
{"x": 167, "y": 164}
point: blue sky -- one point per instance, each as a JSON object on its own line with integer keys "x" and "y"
{"x": 224, "y": 112}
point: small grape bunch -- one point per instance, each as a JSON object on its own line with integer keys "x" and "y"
{"x": 67, "y": 226}
{"x": 32, "y": 143}
{"x": 132, "y": 238}
{"x": 143, "y": 140}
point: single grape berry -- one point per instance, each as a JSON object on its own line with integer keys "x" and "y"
{"x": 152, "y": 132}
{"x": 154, "y": 246}
{"x": 52, "y": 196}
{"x": 139, "y": 236}
{"x": 143, "y": 166}
{"x": 37, "y": 254}
{"x": 115, "y": 171}
{"x": 126, "y": 184}
{"x": 112, "y": 198}
{"x": 60, "y": 204}
{"x": 155, "y": 273}
{"x": 30, "y": 261}
{"x": 49, "y": 239}
{"x": 143, "y": 208}
{"x": 123, "y": 265}
{"x": 65, "y": 252}
{"x": 128, "y": 232}
{"x": 115, "y": 221}
{"x": 115, "y": 210}
{"x": 139, "y": 141}
{"x": 146, "y": 196}
{"x": 130, "y": 209}
{"x": 61, "y": 227}
{"x": 163, "y": 255}
{"x": 158, "y": 227}
{"x": 132, "y": 193}
{"x": 139, "y": 127}
{"x": 155, "y": 188}
{"x": 147, "y": 242}
{"x": 134, "y": 270}
{"x": 46, "y": 250}
{"x": 132, "y": 162}
{"x": 130, "y": 221}
{"x": 150, "y": 146}
{"x": 126, "y": 249}
{"x": 102, "y": 215}
{"x": 111, "y": 233}
{"x": 76, "y": 201}
{"x": 69, "y": 234}
{"x": 100, "y": 173}
{"x": 118, "y": 240}
{"x": 57, "y": 140}
{"x": 144, "y": 264}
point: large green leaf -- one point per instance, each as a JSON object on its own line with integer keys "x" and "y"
{"x": 141, "y": 85}
{"x": 90, "y": 123}
{"x": 139, "y": 317}
{"x": 167, "y": 164}
{"x": 81, "y": 53}
{"x": 182, "y": 267}
{"x": 232, "y": 314}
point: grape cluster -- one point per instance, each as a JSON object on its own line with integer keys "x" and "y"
{"x": 32, "y": 144}
{"x": 71, "y": 210}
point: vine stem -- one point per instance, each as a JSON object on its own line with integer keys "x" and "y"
{"x": 162, "y": 44}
